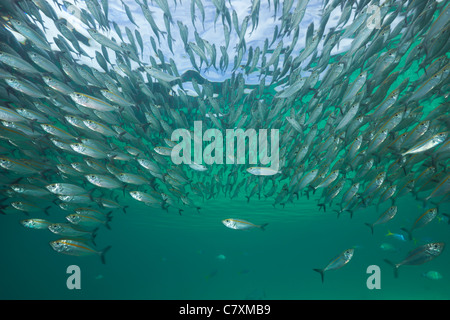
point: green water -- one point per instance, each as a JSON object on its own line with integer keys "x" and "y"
{"x": 163, "y": 255}
{"x": 160, "y": 255}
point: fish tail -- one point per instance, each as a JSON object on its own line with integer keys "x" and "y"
{"x": 370, "y": 226}
{"x": 102, "y": 254}
{"x": 94, "y": 235}
{"x": 125, "y": 209}
{"x": 263, "y": 226}
{"x": 108, "y": 220}
{"x": 321, "y": 271}
{"x": 307, "y": 194}
{"x": 338, "y": 212}
{"x": 46, "y": 210}
{"x": 395, "y": 266}
{"x": 351, "y": 213}
{"x": 448, "y": 216}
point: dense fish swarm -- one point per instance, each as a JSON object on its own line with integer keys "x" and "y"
{"x": 87, "y": 118}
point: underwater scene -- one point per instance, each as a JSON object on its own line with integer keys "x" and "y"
{"x": 224, "y": 150}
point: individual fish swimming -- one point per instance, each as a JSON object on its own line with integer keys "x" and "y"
{"x": 418, "y": 256}
{"x": 389, "y": 214}
{"x": 336, "y": 263}
{"x": 240, "y": 224}
{"x": 422, "y": 221}
{"x": 77, "y": 248}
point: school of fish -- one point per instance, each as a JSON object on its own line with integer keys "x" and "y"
{"x": 356, "y": 129}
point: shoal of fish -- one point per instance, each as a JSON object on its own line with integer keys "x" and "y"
{"x": 354, "y": 126}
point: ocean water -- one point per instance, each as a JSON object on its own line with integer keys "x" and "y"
{"x": 161, "y": 255}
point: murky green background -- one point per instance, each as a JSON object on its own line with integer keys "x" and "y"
{"x": 160, "y": 255}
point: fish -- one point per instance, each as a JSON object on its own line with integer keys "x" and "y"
{"x": 104, "y": 181}
{"x": 17, "y": 166}
{"x": 66, "y": 189}
{"x": 422, "y": 221}
{"x": 387, "y": 247}
{"x": 397, "y": 236}
{"x": 91, "y": 102}
{"x": 77, "y": 248}
{"x": 240, "y": 224}
{"x": 262, "y": 171}
{"x": 17, "y": 63}
{"x": 68, "y": 230}
{"x": 337, "y": 262}
{"x": 427, "y": 144}
{"x": 388, "y": 215}
{"x": 442, "y": 188}
{"x": 37, "y": 224}
{"x": 131, "y": 178}
{"x": 28, "y": 207}
{"x": 432, "y": 275}
{"x": 89, "y": 222}
{"x": 88, "y": 151}
{"x": 418, "y": 256}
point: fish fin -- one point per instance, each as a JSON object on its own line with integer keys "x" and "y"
{"x": 321, "y": 271}
{"x": 46, "y": 210}
{"x": 395, "y": 266}
{"x": 102, "y": 254}
{"x": 370, "y": 226}
{"x": 109, "y": 218}
{"x": 263, "y": 226}
{"x": 125, "y": 209}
